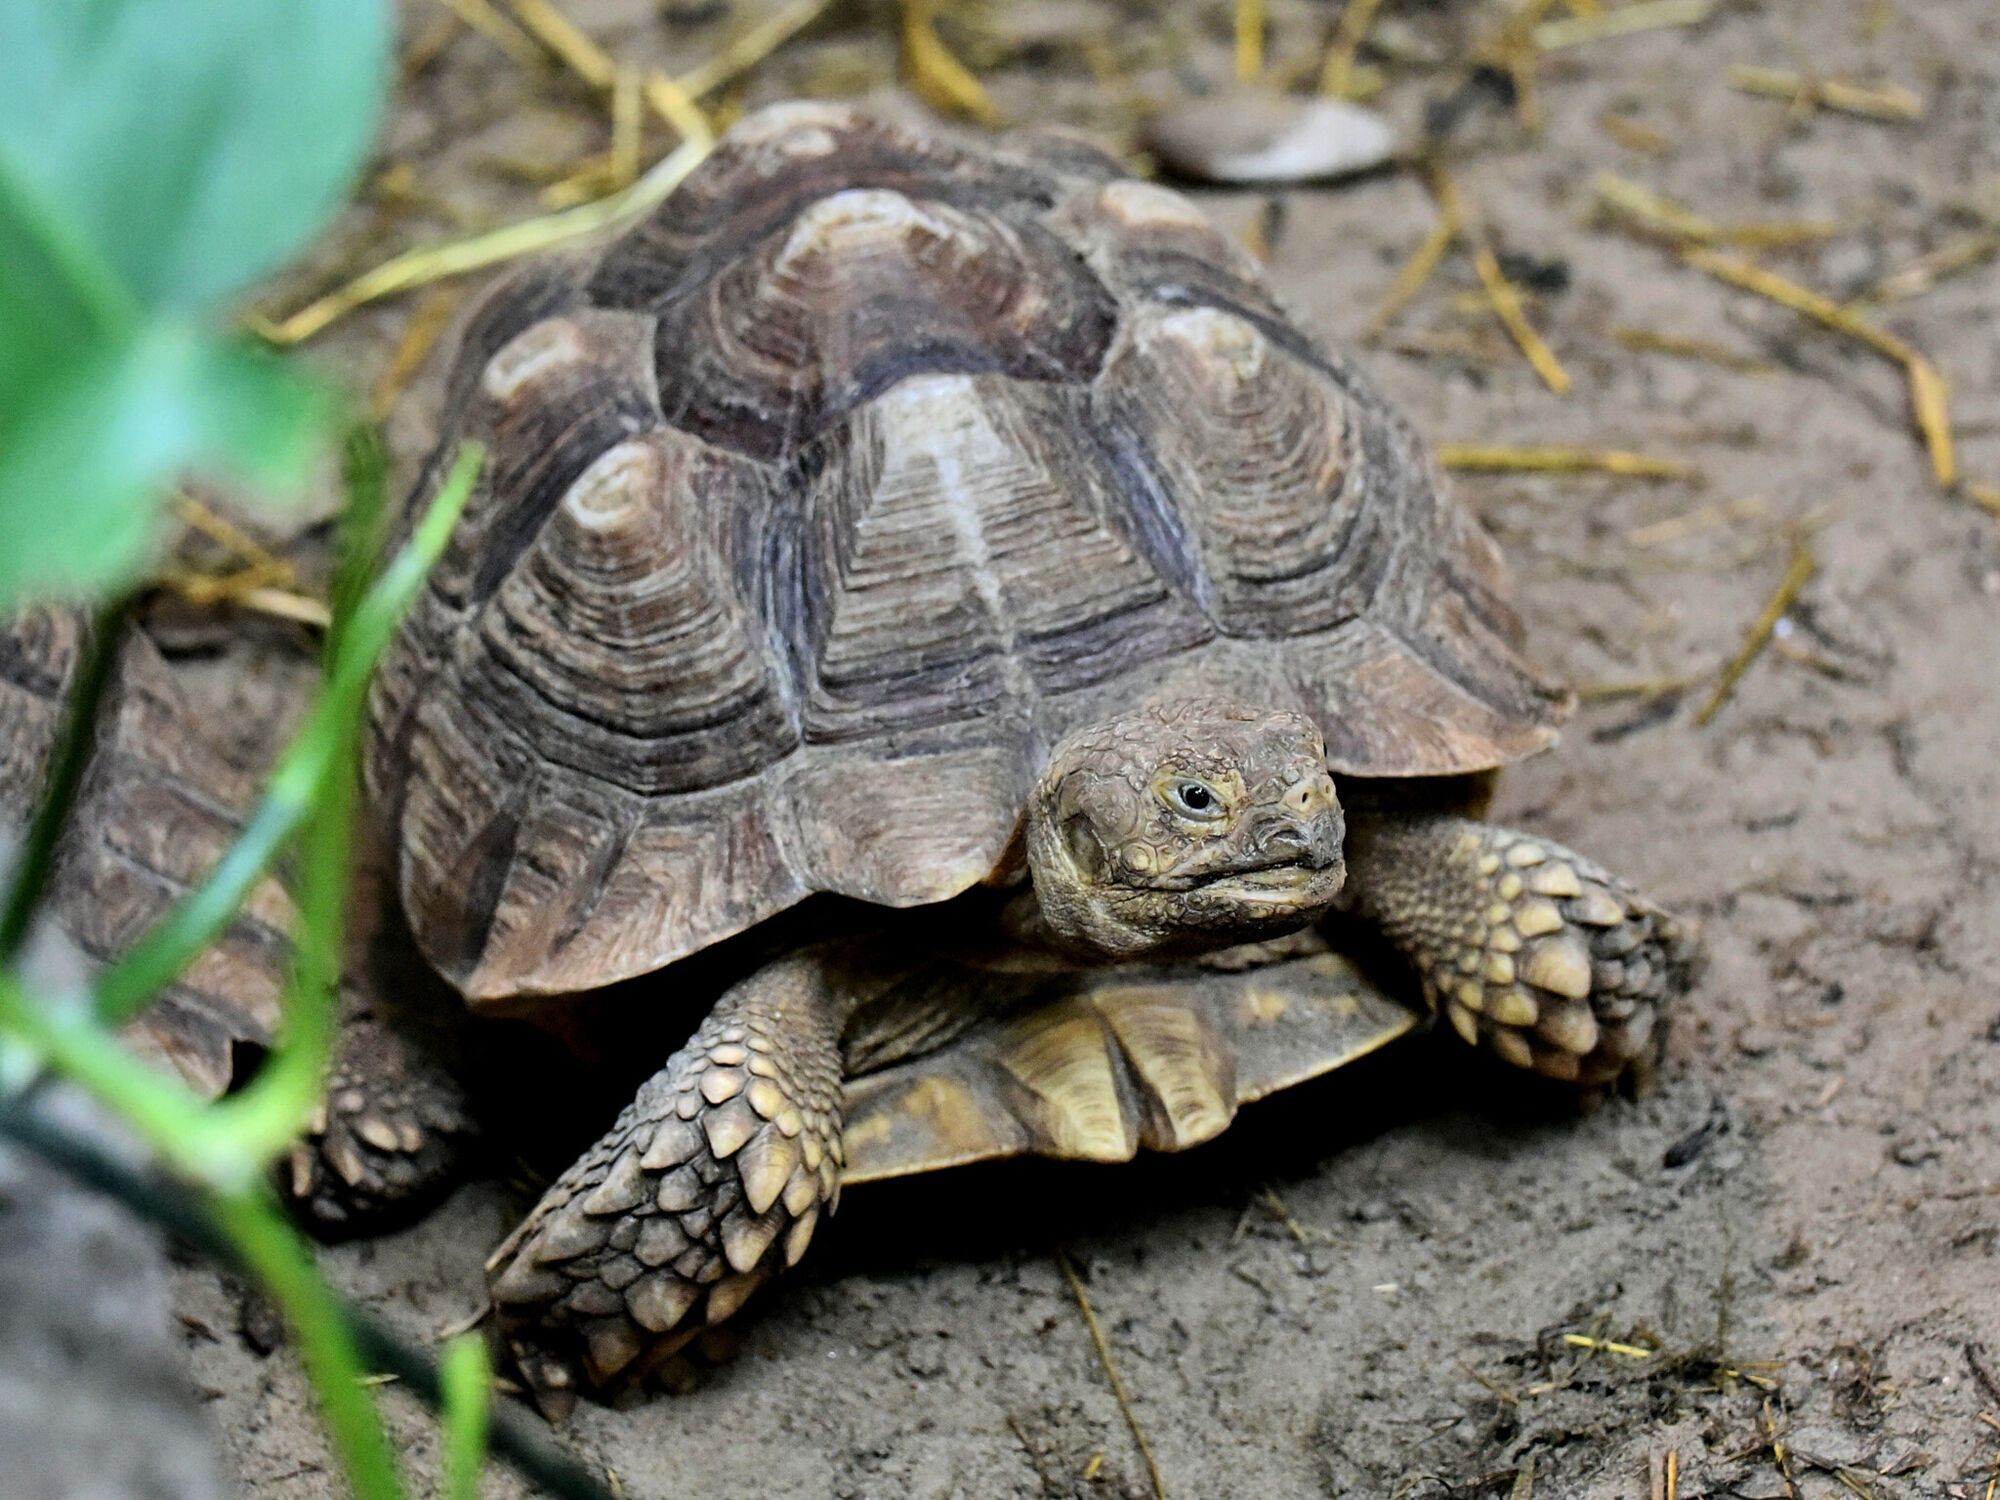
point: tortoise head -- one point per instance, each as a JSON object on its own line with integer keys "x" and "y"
{"x": 1185, "y": 826}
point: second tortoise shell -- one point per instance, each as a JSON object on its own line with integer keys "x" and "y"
{"x": 822, "y": 502}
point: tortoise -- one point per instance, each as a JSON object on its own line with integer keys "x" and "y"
{"x": 159, "y": 805}
{"x": 932, "y": 579}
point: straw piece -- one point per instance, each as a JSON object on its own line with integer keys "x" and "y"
{"x": 1653, "y": 211}
{"x": 1250, "y": 24}
{"x": 1930, "y": 401}
{"x": 1475, "y": 302}
{"x": 1694, "y": 522}
{"x": 673, "y": 102}
{"x": 1507, "y": 305}
{"x": 428, "y": 46}
{"x": 1643, "y": 15}
{"x": 575, "y": 49}
{"x": 1752, "y": 277}
{"x": 1506, "y": 298}
{"x": 1337, "y": 78}
{"x": 1653, "y": 341}
{"x": 420, "y": 335}
{"x": 1927, "y": 271}
{"x": 497, "y": 29}
{"x": 433, "y": 263}
{"x": 567, "y": 42}
{"x": 1111, "y": 1372}
{"x": 1786, "y": 594}
{"x": 1986, "y": 496}
{"x": 1558, "y": 460}
{"x": 1665, "y": 218}
{"x": 1633, "y": 135}
{"x": 1630, "y": 1351}
{"x": 219, "y": 529}
{"x": 751, "y": 48}
{"x": 1512, "y": 51}
{"x": 1929, "y": 393}
{"x": 287, "y": 606}
{"x": 254, "y": 588}
{"x": 935, "y": 73}
{"x": 1417, "y": 270}
{"x": 1774, "y": 234}
{"x": 627, "y": 127}
{"x": 1645, "y": 687}
{"x": 1885, "y": 101}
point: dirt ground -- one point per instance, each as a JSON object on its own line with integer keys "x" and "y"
{"x": 1388, "y": 1284}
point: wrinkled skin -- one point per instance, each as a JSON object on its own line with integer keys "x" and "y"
{"x": 1182, "y": 827}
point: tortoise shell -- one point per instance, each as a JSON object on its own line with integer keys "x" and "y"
{"x": 159, "y": 805}
{"x": 1094, "y": 1065}
{"x": 822, "y": 502}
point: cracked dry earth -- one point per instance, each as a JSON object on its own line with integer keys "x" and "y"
{"x": 1370, "y": 1287}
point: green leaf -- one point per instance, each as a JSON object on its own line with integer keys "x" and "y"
{"x": 269, "y": 1114}
{"x": 465, "y": 1382}
{"x": 115, "y": 423}
{"x": 56, "y": 294}
{"x": 283, "y": 1260}
{"x": 26, "y": 884}
{"x": 193, "y": 144}
{"x": 365, "y": 523}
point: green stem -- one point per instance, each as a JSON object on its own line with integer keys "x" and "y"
{"x": 179, "y": 1211}
{"x": 72, "y": 756}
{"x": 284, "y": 1263}
{"x": 163, "y": 1110}
{"x": 228, "y": 1146}
{"x": 465, "y": 1373}
{"x": 268, "y": 1115}
{"x": 164, "y": 953}
{"x": 363, "y": 529}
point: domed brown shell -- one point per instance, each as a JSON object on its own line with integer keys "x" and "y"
{"x": 822, "y": 502}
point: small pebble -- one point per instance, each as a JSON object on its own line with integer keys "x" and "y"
{"x": 1756, "y": 1041}
{"x": 1252, "y": 135}
{"x": 1914, "y": 1150}
{"x": 924, "y": 1357}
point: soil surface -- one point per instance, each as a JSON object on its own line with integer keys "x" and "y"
{"x": 1408, "y": 1279}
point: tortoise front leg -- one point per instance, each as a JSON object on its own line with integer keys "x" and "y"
{"x": 1527, "y": 948}
{"x": 391, "y": 1132}
{"x": 710, "y": 1182}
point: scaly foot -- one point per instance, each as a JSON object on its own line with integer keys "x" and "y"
{"x": 710, "y": 1182}
{"x": 389, "y": 1135}
{"x": 1526, "y": 948}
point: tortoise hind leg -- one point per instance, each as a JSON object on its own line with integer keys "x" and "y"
{"x": 710, "y": 1182}
{"x": 1528, "y": 949}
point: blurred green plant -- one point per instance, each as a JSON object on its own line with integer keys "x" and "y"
{"x": 156, "y": 156}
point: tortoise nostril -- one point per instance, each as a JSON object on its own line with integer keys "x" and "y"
{"x": 1310, "y": 794}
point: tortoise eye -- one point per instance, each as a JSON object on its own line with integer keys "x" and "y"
{"x": 1193, "y": 799}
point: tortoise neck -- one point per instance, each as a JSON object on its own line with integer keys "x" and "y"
{"x": 1024, "y": 924}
